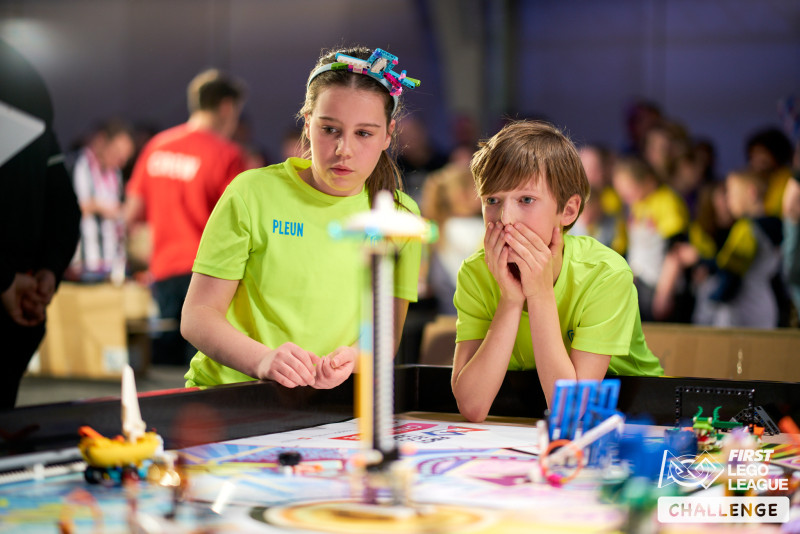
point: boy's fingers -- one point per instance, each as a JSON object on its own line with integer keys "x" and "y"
{"x": 503, "y": 259}
{"x": 491, "y": 241}
{"x": 522, "y": 233}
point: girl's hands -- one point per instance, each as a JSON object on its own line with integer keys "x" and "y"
{"x": 289, "y": 365}
{"x": 497, "y": 257}
{"x": 292, "y": 366}
{"x": 334, "y": 369}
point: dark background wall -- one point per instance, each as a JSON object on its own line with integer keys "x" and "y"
{"x": 718, "y": 66}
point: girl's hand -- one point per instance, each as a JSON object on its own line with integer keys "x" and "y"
{"x": 334, "y": 369}
{"x": 535, "y": 259}
{"x": 497, "y": 257}
{"x": 289, "y": 365}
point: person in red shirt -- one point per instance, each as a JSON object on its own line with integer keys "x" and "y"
{"x": 176, "y": 182}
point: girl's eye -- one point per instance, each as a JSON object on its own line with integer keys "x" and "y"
{"x": 364, "y": 133}
{"x": 329, "y": 129}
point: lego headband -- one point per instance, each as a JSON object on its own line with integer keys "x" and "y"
{"x": 378, "y": 65}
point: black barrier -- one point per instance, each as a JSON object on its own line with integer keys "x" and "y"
{"x": 190, "y": 417}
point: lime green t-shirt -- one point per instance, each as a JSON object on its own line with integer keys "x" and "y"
{"x": 297, "y": 284}
{"x": 597, "y": 302}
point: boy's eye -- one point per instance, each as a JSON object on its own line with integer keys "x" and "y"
{"x": 490, "y": 201}
{"x": 527, "y": 200}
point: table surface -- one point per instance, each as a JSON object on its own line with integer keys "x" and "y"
{"x": 232, "y": 435}
{"x": 469, "y": 477}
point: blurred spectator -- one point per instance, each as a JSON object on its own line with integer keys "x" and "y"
{"x": 450, "y": 200}
{"x": 255, "y": 156}
{"x": 640, "y": 116}
{"x": 692, "y": 173}
{"x": 142, "y": 133}
{"x": 39, "y": 220}
{"x": 740, "y": 290}
{"x": 138, "y": 242}
{"x": 695, "y": 259}
{"x": 657, "y": 151}
{"x": 657, "y": 219}
{"x": 465, "y": 132}
{"x": 706, "y": 154}
{"x": 791, "y": 231}
{"x": 713, "y": 221}
{"x": 603, "y": 216}
{"x": 418, "y": 156}
{"x": 293, "y": 144}
{"x": 769, "y": 154}
{"x": 97, "y": 178}
{"x": 176, "y": 182}
{"x": 664, "y": 143}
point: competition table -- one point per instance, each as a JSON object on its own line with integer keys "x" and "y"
{"x": 264, "y": 419}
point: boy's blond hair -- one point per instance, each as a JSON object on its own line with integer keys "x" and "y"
{"x": 751, "y": 177}
{"x": 530, "y": 150}
{"x": 638, "y": 169}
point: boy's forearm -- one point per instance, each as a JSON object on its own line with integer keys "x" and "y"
{"x": 552, "y": 361}
{"x": 479, "y": 380}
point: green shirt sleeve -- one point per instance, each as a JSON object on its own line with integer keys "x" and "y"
{"x": 226, "y": 242}
{"x": 606, "y": 320}
{"x": 409, "y": 257}
{"x": 472, "y": 302}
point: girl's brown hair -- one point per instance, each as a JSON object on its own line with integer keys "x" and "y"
{"x": 386, "y": 174}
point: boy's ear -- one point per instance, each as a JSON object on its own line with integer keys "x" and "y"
{"x": 571, "y": 210}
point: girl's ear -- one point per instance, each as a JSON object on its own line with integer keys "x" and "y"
{"x": 307, "y": 125}
{"x": 571, "y": 210}
{"x": 389, "y": 132}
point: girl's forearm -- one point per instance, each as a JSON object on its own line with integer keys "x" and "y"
{"x": 211, "y": 333}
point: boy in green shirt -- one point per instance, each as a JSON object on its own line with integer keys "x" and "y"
{"x": 533, "y": 290}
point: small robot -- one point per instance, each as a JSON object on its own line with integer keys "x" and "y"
{"x": 116, "y": 460}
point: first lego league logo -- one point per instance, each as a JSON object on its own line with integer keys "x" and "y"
{"x": 746, "y": 472}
